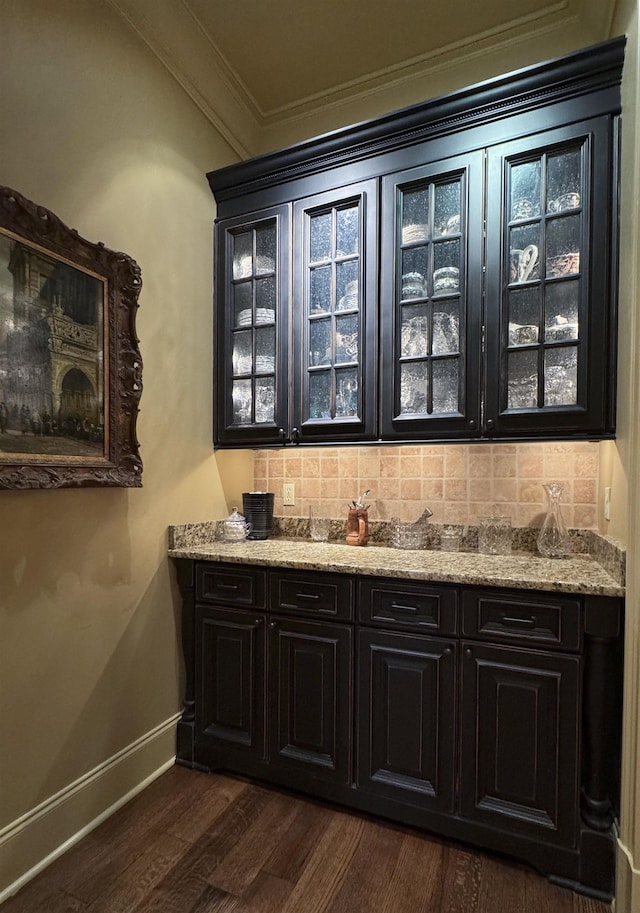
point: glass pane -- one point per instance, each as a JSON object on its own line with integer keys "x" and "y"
{"x": 320, "y": 342}
{"x": 563, "y": 181}
{"x": 320, "y": 237}
{"x": 347, "y": 284}
{"x": 446, "y": 334}
{"x": 321, "y": 289}
{"x": 561, "y": 377}
{"x": 265, "y": 349}
{"x": 525, "y": 191}
{"x": 563, "y": 247}
{"x": 446, "y": 217}
{"x": 414, "y": 331}
{"x": 347, "y": 392}
{"x": 265, "y": 399}
{"x": 522, "y": 391}
{"x": 242, "y": 354}
{"x": 320, "y": 394}
{"x": 266, "y": 300}
{"x": 242, "y": 255}
{"x": 561, "y": 311}
{"x": 414, "y": 385}
{"x": 347, "y": 231}
{"x": 524, "y": 263}
{"x": 446, "y": 267}
{"x": 266, "y": 248}
{"x": 415, "y": 215}
{"x": 347, "y": 338}
{"x": 241, "y": 399}
{"x": 414, "y": 269}
{"x": 242, "y": 304}
{"x": 445, "y": 385}
{"x": 524, "y": 316}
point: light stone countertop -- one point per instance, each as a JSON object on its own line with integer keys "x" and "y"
{"x": 579, "y": 574}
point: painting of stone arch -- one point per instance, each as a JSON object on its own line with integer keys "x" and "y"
{"x": 52, "y": 371}
{"x": 70, "y": 364}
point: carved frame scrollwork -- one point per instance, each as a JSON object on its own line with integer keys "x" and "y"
{"x": 112, "y": 457}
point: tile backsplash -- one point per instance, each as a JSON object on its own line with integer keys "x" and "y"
{"x": 458, "y": 482}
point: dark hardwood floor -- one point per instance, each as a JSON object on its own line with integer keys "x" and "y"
{"x": 206, "y": 843}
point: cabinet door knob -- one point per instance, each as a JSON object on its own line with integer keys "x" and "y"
{"x": 272, "y": 624}
{"x": 447, "y": 650}
{"x": 468, "y": 652}
{"x": 490, "y": 424}
{"x": 258, "y": 621}
{"x": 472, "y": 424}
{"x": 282, "y": 434}
{"x": 295, "y": 435}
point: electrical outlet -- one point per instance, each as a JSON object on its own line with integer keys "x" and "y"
{"x": 289, "y": 494}
{"x": 607, "y": 503}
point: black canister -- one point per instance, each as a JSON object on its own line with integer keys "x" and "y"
{"x": 257, "y": 507}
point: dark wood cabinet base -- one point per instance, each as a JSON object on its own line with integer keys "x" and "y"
{"x": 483, "y": 730}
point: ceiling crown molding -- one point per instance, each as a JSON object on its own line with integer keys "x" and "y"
{"x": 172, "y": 33}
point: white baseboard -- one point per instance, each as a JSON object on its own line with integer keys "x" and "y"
{"x": 32, "y": 842}
{"x": 627, "y": 899}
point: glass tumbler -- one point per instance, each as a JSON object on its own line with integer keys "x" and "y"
{"x": 494, "y": 535}
{"x": 319, "y": 523}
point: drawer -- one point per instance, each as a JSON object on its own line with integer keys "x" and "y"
{"x": 517, "y": 617}
{"x": 231, "y": 584}
{"x": 312, "y": 594}
{"x": 408, "y": 606}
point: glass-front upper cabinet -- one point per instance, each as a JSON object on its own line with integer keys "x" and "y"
{"x": 549, "y": 316}
{"x": 251, "y": 331}
{"x": 431, "y": 299}
{"x": 334, "y": 314}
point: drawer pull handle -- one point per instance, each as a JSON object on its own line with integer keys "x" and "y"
{"x": 228, "y": 586}
{"x": 523, "y": 622}
{"x": 307, "y": 596}
{"x": 403, "y": 608}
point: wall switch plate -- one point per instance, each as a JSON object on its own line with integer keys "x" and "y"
{"x": 607, "y": 503}
{"x": 289, "y": 494}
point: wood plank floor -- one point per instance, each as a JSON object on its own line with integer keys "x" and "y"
{"x": 207, "y": 843}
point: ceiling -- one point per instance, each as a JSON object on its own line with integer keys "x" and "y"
{"x": 256, "y": 66}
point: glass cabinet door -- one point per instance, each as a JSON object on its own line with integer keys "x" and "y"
{"x": 549, "y": 330}
{"x": 432, "y": 230}
{"x": 334, "y": 314}
{"x": 251, "y": 330}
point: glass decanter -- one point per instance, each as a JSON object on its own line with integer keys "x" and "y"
{"x": 553, "y": 538}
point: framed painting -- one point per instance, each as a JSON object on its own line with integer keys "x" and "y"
{"x": 70, "y": 366}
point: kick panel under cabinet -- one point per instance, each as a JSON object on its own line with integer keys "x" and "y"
{"x": 447, "y": 272}
{"x": 487, "y": 715}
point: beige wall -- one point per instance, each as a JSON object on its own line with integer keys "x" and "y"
{"x": 96, "y": 130}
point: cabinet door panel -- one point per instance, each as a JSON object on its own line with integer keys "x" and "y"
{"x": 520, "y": 736}
{"x": 550, "y": 290}
{"x": 311, "y": 687}
{"x": 230, "y": 679}
{"x": 252, "y": 260}
{"x": 430, "y": 301}
{"x": 407, "y": 720}
{"x": 334, "y": 319}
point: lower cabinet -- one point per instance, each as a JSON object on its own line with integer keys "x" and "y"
{"x": 482, "y": 714}
{"x": 310, "y": 697}
{"x": 519, "y": 741}
{"x": 407, "y": 717}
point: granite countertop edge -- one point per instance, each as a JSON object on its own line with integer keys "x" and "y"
{"x": 580, "y": 574}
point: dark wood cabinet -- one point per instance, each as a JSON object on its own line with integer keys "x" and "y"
{"x": 446, "y": 272}
{"x": 519, "y": 741}
{"x": 230, "y": 680}
{"x": 485, "y": 714}
{"x": 310, "y": 688}
{"x": 407, "y": 720}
